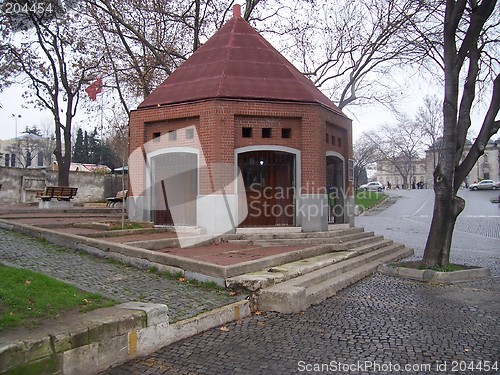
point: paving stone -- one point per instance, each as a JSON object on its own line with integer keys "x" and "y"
{"x": 380, "y": 319}
{"x": 111, "y": 279}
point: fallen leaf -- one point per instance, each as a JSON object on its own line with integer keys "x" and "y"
{"x": 258, "y": 312}
{"x": 27, "y": 282}
{"x": 232, "y": 293}
{"x": 182, "y": 280}
{"x": 224, "y": 329}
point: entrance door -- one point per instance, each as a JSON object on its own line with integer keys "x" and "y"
{"x": 269, "y": 178}
{"x": 335, "y": 185}
{"x": 175, "y": 188}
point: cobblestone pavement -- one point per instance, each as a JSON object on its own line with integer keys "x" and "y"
{"x": 111, "y": 279}
{"x": 366, "y": 328}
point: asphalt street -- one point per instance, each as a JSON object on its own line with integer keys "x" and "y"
{"x": 381, "y": 325}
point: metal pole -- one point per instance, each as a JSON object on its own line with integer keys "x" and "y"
{"x": 15, "y": 121}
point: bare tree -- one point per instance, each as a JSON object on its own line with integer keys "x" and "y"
{"x": 365, "y": 152}
{"x": 145, "y": 41}
{"x": 55, "y": 62}
{"x": 470, "y": 61}
{"x": 350, "y": 48}
{"x": 47, "y": 141}
{"x": 26, "y": 147}
{"x": 430, "y": 119}
{"x": 399, "y": 145}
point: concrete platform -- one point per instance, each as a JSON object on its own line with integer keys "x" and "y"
{"x": 88, "y": 343}
{"x": 213, "y": 259}
{"x": 284, "y": 272}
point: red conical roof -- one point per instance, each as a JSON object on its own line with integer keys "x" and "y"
{"x": 237, "y": 63}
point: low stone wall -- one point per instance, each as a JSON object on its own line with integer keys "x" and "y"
{"x": 21, "y": 185}
{"x": 94, "y": 341}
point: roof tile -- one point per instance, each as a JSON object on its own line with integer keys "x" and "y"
{"x": 237, "y": 63}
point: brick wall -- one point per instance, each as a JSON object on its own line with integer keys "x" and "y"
{"x": 219, "y": 125}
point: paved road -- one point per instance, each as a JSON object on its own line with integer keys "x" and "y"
{"x": 111, "y": 279}
{"x": 378, "y": 323}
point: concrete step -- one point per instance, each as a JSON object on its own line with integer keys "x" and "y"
{"x": 328, "y": 288}
{"x": 290, "y": 235}
{"x": 329, "y": 272}
{"x": 326, "y": 238}
{"x": 336, "y": 244}
{"x": 254, "y": 281}
{"x": 299, "y": 293}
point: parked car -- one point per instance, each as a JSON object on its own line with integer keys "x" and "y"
{"x": 485, "y": 185}
{"x": 372, "y": 186}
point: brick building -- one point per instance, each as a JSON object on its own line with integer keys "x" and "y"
{"x": 237, "y": 136}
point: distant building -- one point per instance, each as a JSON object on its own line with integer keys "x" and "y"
{"x": 388, "y": 173}
{"x": 26, "y": 151}
{"x": 486, "y": 168}
{"x": 488, "y": 165}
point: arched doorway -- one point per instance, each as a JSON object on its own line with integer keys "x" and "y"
{"x": 174, "y": 177}
{"x": 269, "y": 178}
{"x": 336, "y": 189}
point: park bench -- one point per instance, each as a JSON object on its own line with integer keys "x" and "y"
{"x": 121, "y": 196}
{"x": 61, "y": 193}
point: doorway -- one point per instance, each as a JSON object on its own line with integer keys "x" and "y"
{"x": 269, "y": 178}
{"x": 336, "y": 189}
{"x": 175, "y": 188}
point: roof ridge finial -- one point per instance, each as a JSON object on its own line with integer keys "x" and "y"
{"x": 236, "y": 11}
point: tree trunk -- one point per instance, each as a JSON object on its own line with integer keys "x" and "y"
{"x": 63, "y": 160}
{"x": 447, "y": 207}
{"x": 64, "y": 163}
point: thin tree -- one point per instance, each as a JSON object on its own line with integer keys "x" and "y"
{"x": 27, "y": 146}
{"x": 365, "y": 152}
{"x": 56, "y": 63}
{"x": 399, "y": 145}
{"x": 470, "y": 59}
{"x": 351, "y": 48}
{"x": 430, "y": 119}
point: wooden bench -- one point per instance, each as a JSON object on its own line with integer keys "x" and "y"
{"x": 61, "y": 193}
{"x": 121, "y": 196}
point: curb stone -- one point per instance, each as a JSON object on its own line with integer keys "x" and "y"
{"x": 108, "y": 337}
{"x": 435, "y": 276}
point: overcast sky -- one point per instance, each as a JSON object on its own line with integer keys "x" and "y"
{"x": 364, "y": 117}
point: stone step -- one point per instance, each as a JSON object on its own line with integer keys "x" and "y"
{"x": 252, "y": 282}
{"x": 339, "y": 238}
{"x": 329, "y": 272}
{"x": 328, "y": 288}
{"x": 356, "y": 243}
{"x": 291, "y": 235}
{"x": 299, "y": 293}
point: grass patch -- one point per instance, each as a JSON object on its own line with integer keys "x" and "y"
{"x": 448, "y": 268}
{"x": 27, "y": 297}
{"x": 128, "y": 225}
{"x": 177, "y": 276}
{"x": 368, "y": 199}
{"x": 418, "y": 266}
